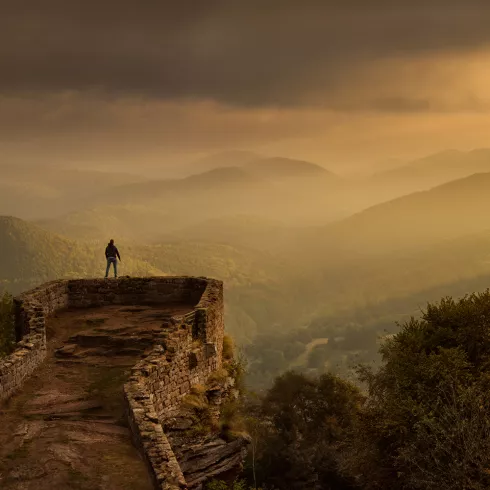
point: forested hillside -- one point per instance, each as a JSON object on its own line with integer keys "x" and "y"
{"x": 280, "y": 309}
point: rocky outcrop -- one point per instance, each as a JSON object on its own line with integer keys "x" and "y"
{"x": 209, "y": 458}
{"x": 202, "y": 448}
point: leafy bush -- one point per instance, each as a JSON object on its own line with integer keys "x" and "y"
{"x": 7, "y": 332}
{"x": 451, "y": 451}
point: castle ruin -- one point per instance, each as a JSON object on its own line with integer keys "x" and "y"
{"x": 163, "y": 337}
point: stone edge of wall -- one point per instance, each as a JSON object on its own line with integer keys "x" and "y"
{"x": 144, "y": 419}
{"x": 31, "y": 309}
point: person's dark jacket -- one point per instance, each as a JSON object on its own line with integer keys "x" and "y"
{"x": 111, "y": 251}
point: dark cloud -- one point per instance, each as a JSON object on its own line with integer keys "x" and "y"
{"x": 241, "y": 52}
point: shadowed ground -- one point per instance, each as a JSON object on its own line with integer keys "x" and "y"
{"x": 67, "y": 428}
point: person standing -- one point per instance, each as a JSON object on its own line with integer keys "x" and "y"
{"x": 111, "y": 254}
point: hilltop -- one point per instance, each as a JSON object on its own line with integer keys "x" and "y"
{"x": 279, "y": 167}
{"x": 202, "y": 183}
{"x": 231, "y": 158}
{"x": 255, "y": 174}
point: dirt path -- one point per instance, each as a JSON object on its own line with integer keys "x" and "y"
{"x": 67, "y": 429}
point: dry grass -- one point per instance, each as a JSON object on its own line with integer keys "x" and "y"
{"x": 218, "y": 377}
{"x": 228, "y": 348}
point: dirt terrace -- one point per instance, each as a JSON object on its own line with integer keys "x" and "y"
{"x": 67, "y": 428}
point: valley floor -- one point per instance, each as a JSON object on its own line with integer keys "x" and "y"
{"x": 67, "y": 428}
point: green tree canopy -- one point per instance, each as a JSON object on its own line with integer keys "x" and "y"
{"x": 425, "y": 424}
{"x": 304, "y": 419}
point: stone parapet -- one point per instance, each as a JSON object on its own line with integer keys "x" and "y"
{"x": 31, "y": 310}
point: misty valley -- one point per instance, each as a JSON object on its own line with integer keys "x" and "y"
{"x": 318, "y": 268}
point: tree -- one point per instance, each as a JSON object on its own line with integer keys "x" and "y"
{"x": 303, "y": 420}
{"x": 425, "y": 424}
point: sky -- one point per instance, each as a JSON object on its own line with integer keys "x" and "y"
{"x": 344, "y": 83}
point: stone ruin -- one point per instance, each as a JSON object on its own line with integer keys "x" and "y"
{"x": 188, "y": 354}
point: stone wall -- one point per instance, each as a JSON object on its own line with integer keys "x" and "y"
{"x": 191, "y": 353}
{"x": 33, "y": 307}
{"x": 135, "y": 291}
{"x": 31, "y": 311}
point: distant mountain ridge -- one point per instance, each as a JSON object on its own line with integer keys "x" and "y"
{"x": 265, "y": 166}
{"x": 202, "y": 182}
{"x": 286, "y": 167}
{"x": 274, "y": 189}
{"x": 231, "y": 158}
{"x": 417, "y": 220}
{"x": 436, "y": 169}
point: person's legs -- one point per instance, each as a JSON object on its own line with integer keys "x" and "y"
{"x": 115, "y": 267}
{"x": 107, "y": 268}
